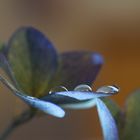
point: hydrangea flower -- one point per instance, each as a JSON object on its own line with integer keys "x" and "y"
{"x": 34, "y": 67}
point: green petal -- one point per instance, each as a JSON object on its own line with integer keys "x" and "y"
{"x": 33, "y": 60}
{"x": 132, "y": 119}
{"x": 78, "y": 68}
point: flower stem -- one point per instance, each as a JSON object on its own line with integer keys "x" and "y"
{"x": 7, "y": 132}
{"x": 17, "y": 121}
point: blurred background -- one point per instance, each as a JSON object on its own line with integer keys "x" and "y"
{"x": 111, "y": 28}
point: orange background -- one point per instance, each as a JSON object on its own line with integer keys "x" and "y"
{"x": 111, "y": 28}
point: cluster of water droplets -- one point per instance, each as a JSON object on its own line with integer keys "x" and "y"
{"x": 82, "y": 88}
{"x": 86, "y": 88}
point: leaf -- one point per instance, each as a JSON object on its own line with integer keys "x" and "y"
{"x": 33, "y": 60}
{"x": 44, "y": 106}
{"x": 132, "y": 117}
{"x": 108, "y": 124}
{"x": 78, "y": 68}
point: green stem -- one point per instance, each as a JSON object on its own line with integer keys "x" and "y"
{"x": 17, "y": 121}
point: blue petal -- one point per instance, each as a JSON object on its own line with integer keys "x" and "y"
{"x": 75, "y": 99}
{"x": 80, "y": 105}
{"x": 108, "y": 124}
{"x": 83, "y": 95}
{"x": 69, "y": 102}
{"x": 44, "y": 106}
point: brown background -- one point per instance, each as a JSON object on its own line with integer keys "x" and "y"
{"x": 109, "y": 27}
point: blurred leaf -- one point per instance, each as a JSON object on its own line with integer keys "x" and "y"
{"x": 108, "y": 124}
{"x": 132, "y": 117}
{"x": 33, "y": 60}
{"x": 78, "y": 68}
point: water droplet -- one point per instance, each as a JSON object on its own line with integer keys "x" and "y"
{"x": 83, "y": 87}
{"x": 58, "y": 89}
{"x": 108, "y": 89}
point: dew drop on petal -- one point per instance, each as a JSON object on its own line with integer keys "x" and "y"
{"x": 83, "y": 87}
{"x": 108, "y": 89}
{"x": 58, "y": 89}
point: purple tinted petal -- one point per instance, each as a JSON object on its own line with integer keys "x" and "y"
{"x": 108, "y": 124}
{"x": 33, "y": 60}
{"x": 78, "y": 68}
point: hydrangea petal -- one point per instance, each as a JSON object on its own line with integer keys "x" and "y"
{"x": 59, "y": 99}
{"x": 132, "y": 117}
{"x": 78, "y": 68}
{"x": 80, "y": 105}
{"x": 45, "y": 106}
{"x": 69, "y": 102}
{"x": 81, "y": 95}
{"x": 108, "y": 124}
{"x": 7, "y": 69}
{"x": 33, "y": 60}
{"x": 74, "y": 99}
{"x": 115, "y": 111}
